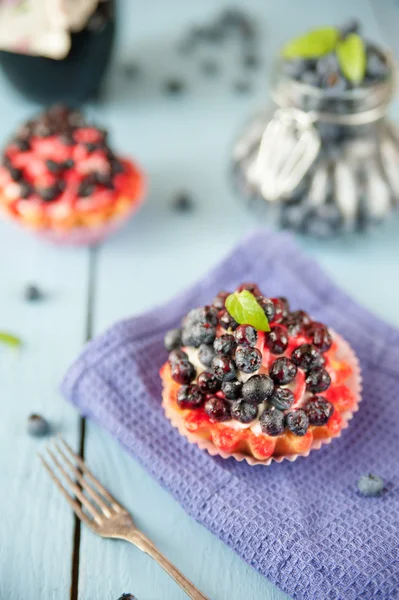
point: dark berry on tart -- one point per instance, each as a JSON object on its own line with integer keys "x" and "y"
{"x": 252, "y": 376}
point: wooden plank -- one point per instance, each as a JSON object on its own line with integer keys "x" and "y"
{"x": 36, "y": 525}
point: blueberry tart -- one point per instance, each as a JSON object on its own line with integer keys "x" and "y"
{"x": 251, "y": 378}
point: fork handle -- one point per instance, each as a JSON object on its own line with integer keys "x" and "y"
{"x": 145, "y": 544}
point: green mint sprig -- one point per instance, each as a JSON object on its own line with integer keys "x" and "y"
{"x": 351, "y": 54}
{"x": 244, "y": 309}
{"x": 313, "y": 44}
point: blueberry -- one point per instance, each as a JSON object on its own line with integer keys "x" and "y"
{"x": 69, "y": 164}
{"x": 51, "y": 193}
{"x": 217, "y": 409}
{"x": 224, "y": 368}
{"x": 190, "y": 396}
{"x": 243, "y": 412}
{"x": 272, "y": 421}
{"x": 172, "y": 339}
{"x": 241, "y": 86}
{"x": 351, "y": 26}
{"x": 250, "y": 287}
{"x": 370, "y": 485}
{"x": 283, "y": 371}
{"x": 208, "y": 383}
{"x": 25, "y": 189}
{"x": 318, "y": 380}
{"x": 187, "y": 336}
{"x": 206, "y": 314}
{"x": 310, "y": 78}
{"x": 282, "y": 398}
{"x": 319, "y": 410}
{"x": 15, "y": 174}
{"x": 206, "y": 354}
{"x": 85, "y": 189}
{"x": 307, "y": 357}
{"x": 53, "y": 166}
{"x": 268, "y": 307}
{"x": 183, "y": 203}
{"x": 182, "y": 371}
{"x": 226, "y": 321}
{"x": 38, "y": 426}
{"x": 220, "y": 300}
{"x": 127, "y": 597}
{"x": 176, "y": 355}
{"x": 297, "y": 421}
{"x": 277, "y": 339}
{"x": 319, "y": 336}
{"x": 376, "y": 68}
{"x": 22, "y": 144}
{"x": 210, "y": 67}
{"x": 246, "y": 335}
{"x": 295, "y": 68}
{"x": 296, "y": 322}
{"x": 280, "y": 310}
{"x": 174, "y": 86}
{"x": 225, "y": 344}
{"x": 257, "y": 389}
{"x": 203, "y": 333}
{"x": 328, "y": 64}
{"x": 248, "y": 360}
{"x": 232, "y": 389}
{"x": 33, "y": 293}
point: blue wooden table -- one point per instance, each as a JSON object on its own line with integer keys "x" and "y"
{"x": 183, "y": 143}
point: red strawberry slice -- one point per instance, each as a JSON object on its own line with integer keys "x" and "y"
{"x": 87, "y": 135}
{"x": 226, "y": 438}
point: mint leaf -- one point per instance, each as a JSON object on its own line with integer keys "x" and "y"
{"x": 352, "y": 59}
{"x": 10, "y": 340}
{"x": 315, "y": 43}
{"x": 243, "y": 307}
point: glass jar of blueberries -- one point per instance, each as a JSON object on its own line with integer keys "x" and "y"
{"x": 344, "y": 175}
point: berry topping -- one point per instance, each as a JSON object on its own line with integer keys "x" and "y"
{"x": 190, "y": 396}
{"x": 268, "y": 307}
{"x": 277, "y": 340}
{"x": 319, "y": 410}
{"x": 206, "y": 354}
{"x": 272, "y": 421}
{"x": 243, "y": 412}
{"x": 38, "y": 426}
{"x": 280, "y": 310}
{"x": 182, "y": 371}
{"x": 172, "y": 339}
{"x": 208, "y": 383}
{"x": 246, "y": 335}
{"x": 297, "y": 421}
{"x": 224, "y": 368}
{"x": 248, "y": 360}
{"x": 282, "y": 398}
{"x": 370, "y": 485}
{"x": 318, "y": 380}
{"x": 257, "y": 389}
{"x": 283, "y": 371}
{"x": 217, "y": 409}
{"x": 232, "y": 389}
{"x": 226, "y": 320}
{"x": 320, "y": 336}
{"x": 176, "y": 355}
{"x": 225, "y": 344}
{"x": 307, "y": 357}
{"x": 203, "y": 333}
{"x": 220, "y": 300}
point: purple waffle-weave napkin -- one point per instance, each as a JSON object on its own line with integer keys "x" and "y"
{"x": 302, "y": 525}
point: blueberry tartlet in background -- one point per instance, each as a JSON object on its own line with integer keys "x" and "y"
{"x": 60, "y": 179}
{"x": 249, "y": 377}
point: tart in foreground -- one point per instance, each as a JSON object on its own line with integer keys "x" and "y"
{"x": 250, "y": 378}
{"x": 60, "y": 178}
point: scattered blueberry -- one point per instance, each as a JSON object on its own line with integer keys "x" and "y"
{"x": 224, "y": 368}
{"x": 33, "y": 293}
{"x": 183, "y": 203}
{"x": 217, "y": 409}
{"x": 283, "y": 371}
{"x": 319, "y": 410}
{"x": 277, "y": 339}
{"x": 226, "y": 321}
{"x": 174, "y": 86}
{"x": 246, "y": 335}
{"x": 232, "y": 389}
{"x": 282, "y": 398}
{"x": 272, "y": 421}
{"x": 257, "y": 389}
{"x": 370, "y": 485}
{"x": 208, "y": 383}
{"x": 172, "y": 339}
{"x": 203, "y": 333}
{"x": 225, "y": 344}
{"x": 268, "y": 307}
{"x": 248, "y": 360}
{"x": 243, "y": 412}
{"x": 182, "y": 371}
{"x": 318, "y": 380}
{"x": 307, "y": 357}
{"x": 297, "y": 421}
{"x": 190, "y": 396}
{"x": 206, "y": 354}
{"x": 127, "y": 597}
{"x": 38, "y": 426}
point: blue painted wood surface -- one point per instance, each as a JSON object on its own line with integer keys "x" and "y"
{"x": 183, "y": 143}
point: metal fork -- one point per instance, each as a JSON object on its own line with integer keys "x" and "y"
{"x": 99, "y": 510}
